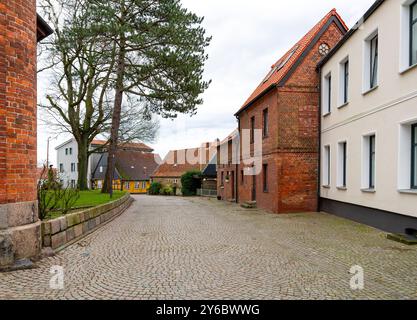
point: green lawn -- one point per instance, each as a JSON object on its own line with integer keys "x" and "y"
{"x": 96, "y": 198}
{"x": 90, "y": 199}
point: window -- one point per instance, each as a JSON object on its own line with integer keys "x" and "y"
{"x": 222, "y": 178}
{"x": 344, "y": 88}
{"x": 342, "y": 165}
{"x": 242, "y": 177}
{"x": 369, "y": 162}
{"x": 374, "y": 62}
{"x": 414, "y": 156}
{"x": 327, "y": 94}
{"x": 70, "y": 150}
{"x": 371, "y": 62}
{"x": 72, "y": 167}
{"x": 127, "y": 185}
{"x": 101, "y": 169}
{"x": 66, "y": 151}
{"x": 326, "y": 166}
{"x": 407, "y": 156}
{"x": 73, "y": 184}
{"x": 413, "y": 33}
{"x": 372, "y": 162}
{"x": 252, "y": 130}
{"x": 137, "y": 185}
{"x": 265, "y": 177}
{"x": 265, "y": 130}
{"x": 61, "y": 168}
{"x": 143, "y": 185}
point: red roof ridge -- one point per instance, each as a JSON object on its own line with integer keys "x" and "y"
{"x": 288, "y": 60}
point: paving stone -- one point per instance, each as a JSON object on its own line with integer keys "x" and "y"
{"x": 192, "y": 248}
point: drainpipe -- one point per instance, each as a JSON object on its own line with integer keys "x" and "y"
{"x": 237, "y": 164}
{"x": 319, "y": 145}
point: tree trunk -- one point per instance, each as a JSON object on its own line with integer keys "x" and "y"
{"x": 83, "y": 164}
{"x": 117, "y": 110}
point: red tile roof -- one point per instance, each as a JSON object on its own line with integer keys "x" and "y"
{"x": 174, "y": 165}
{"x": 281, "y": 68}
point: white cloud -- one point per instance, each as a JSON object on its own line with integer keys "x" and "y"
{"x": 248, "y": 37}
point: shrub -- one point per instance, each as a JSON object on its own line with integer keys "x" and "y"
{"x": 68, "y": 199}
{"x": 190, "y": 181}
{"x": 53, "y": 197}
{"x": 167, "y": 191}
{"x": 155, "y": 188}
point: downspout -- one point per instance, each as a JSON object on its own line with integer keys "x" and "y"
{"x": 319, "y": 146}
{"x": 237, "y": 182}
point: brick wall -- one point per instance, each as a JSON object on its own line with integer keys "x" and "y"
{"x": 291, "y": 149}
{"x": 17, "y": 101}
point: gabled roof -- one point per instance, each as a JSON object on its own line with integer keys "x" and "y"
{"x": 136, "y": 166}
{"x": 175, "y": 164}
{"x": 130, "y": 165}
{"x": 138, "y": 146}
{"x": 347, "y": 36}
{"x": 286, "y": 65}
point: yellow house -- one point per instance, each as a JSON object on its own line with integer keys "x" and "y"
{"x": 133, "y": 170}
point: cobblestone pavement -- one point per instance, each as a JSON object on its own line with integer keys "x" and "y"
{"x": 175, "y": 248}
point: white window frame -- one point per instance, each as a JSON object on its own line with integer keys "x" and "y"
{"x": 342, "y": 66}
{"x": 327, "y": 94}
{"x": 342, "y": 164}
{"x": 404, "y": 154}
{"x": 365, "y": 181}
{"x": 327, "y": 172}
{"x": 405, "y": 36}
{"x": 366, "y": 81}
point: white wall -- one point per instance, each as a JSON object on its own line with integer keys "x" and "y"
{"x": 386, "y": 111}
{"x": 67, "y": 176}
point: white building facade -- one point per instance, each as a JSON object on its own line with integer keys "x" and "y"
{"x": 369, "y": 120}
{"x": 67, "y": 163}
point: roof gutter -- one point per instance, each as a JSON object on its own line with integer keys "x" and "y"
{"x": 43, "y": 27}
{"x": 261, "y": 95}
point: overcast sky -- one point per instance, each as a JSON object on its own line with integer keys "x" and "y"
{"x": 248, "y": 37}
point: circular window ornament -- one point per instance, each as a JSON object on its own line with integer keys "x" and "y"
{"x": 324, "y": 49}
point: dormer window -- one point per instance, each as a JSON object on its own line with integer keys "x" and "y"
{"x": 280, "y": 64}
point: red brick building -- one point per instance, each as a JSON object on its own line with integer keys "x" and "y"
{"x": 285, "y": 106}
{"x": 227, "y": 166}
{"x": 20, "y": 29}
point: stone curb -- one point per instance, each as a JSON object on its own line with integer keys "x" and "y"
{"x": 61, "y": 232}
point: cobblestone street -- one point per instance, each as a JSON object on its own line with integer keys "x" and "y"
{"x": 175, "y": 248}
